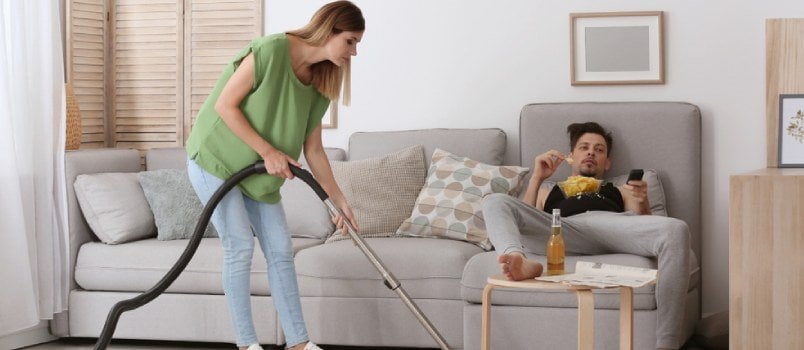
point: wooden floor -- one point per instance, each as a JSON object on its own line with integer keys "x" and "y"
{"x": 82, "y": 344}
{"x": 76, "y": 344}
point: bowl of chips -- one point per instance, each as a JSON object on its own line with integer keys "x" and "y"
{"x": 577, "y": 185}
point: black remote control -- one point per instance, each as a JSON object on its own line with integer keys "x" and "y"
{"x": 635, "y": 175}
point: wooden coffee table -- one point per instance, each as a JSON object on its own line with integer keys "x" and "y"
{"x": 586, "y": 310}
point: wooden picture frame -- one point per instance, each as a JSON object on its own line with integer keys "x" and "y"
{"x": 330, "y": 119}
{"x": 616, "y": 48}
{"x": 791, "y": 131}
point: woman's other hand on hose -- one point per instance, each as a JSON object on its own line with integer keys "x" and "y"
{"x": 277, "y": 163}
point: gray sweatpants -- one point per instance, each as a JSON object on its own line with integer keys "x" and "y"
{"x": 514, "y": 226}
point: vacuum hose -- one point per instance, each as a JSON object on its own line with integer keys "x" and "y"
{"x": 151, "y": 294}
{"x": 388, "y": 279}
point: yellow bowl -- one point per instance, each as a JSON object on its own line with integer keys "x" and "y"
{"x": 577, "y": 185}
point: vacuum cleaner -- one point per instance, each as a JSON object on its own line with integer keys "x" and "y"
{"x": 257, "y": 168}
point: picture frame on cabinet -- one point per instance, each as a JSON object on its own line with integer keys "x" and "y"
{"x": 791, "y": 131}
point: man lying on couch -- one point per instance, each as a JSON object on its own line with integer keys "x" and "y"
{"x": 613, "y": 220}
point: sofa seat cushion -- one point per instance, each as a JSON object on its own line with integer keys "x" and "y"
{"x": 483, "y": 265}
{"x": 137, "y": 266}
{"x": 427, "y": 268}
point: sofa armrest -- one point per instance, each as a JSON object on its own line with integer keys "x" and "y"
{"x": 90, "y": 161}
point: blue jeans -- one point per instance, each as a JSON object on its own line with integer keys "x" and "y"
{"x": 234, "y": 218}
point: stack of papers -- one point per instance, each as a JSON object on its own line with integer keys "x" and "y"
{"x": 605, "y": 275}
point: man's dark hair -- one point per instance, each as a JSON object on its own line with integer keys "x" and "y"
{"x": 576, "y": 130}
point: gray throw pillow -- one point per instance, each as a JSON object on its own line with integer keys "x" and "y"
{"x": 174, "y": 203}
{"x": 114, "y": 206}
{"x": 655, "y": 190}
{"x": 381, "y": 191}
{"x": 656, "y": 195}
{"x": 306, "y": 214}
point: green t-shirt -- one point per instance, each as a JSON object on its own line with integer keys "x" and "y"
{"x": 279, "y": 107}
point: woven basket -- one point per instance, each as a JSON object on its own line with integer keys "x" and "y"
{"x": 73, "y": 120}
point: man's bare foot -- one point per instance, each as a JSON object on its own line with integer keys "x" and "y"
{"x": 516, "y": 267}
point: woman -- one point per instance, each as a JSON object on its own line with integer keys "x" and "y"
{"x": 267, "y": 105}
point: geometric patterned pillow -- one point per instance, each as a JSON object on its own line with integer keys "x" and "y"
{"x": 449, "y": 204}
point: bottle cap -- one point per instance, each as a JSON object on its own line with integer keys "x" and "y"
{"x": 556, "y": 217}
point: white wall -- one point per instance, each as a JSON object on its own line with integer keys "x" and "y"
{"x": 475, "y": 64}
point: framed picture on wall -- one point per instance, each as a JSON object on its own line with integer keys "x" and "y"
{"x": 612, "y": 48}
{"x": 791, "y": 131}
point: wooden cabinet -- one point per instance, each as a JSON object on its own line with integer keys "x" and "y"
{"x": 784, "y": 73}
{"x": 766, "y": 268}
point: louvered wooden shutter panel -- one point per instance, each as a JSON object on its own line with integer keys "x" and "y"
{"x": 147, "y": 79}
{"x": 86, "y": 55}
{"x": 215, "y": 30}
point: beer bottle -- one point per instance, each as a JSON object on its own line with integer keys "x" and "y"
{"x": 555, "y": 247}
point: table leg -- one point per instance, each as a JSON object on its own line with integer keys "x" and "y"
{"x": 586, "y": 319}
{"x": 626, "y": 318}
{"x": 485, "y": 335}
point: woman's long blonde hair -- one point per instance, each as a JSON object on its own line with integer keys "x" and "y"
{"x": 332, "y": 18}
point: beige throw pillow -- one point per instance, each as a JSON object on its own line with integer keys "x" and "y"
{"x": 381, "y": 191}
{"x": 449, "y": 205}
{"x": 114, "y": 206}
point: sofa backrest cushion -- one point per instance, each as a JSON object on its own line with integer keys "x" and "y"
{"x": 665, "y": 136}
{"x": 176, "y": 157}
{"x": 166, "y": 158}
{"x": 306, "y": 215}
{"x": 483, "y": 145}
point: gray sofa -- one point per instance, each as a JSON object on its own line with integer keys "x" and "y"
{"x": 343, "y": 297}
